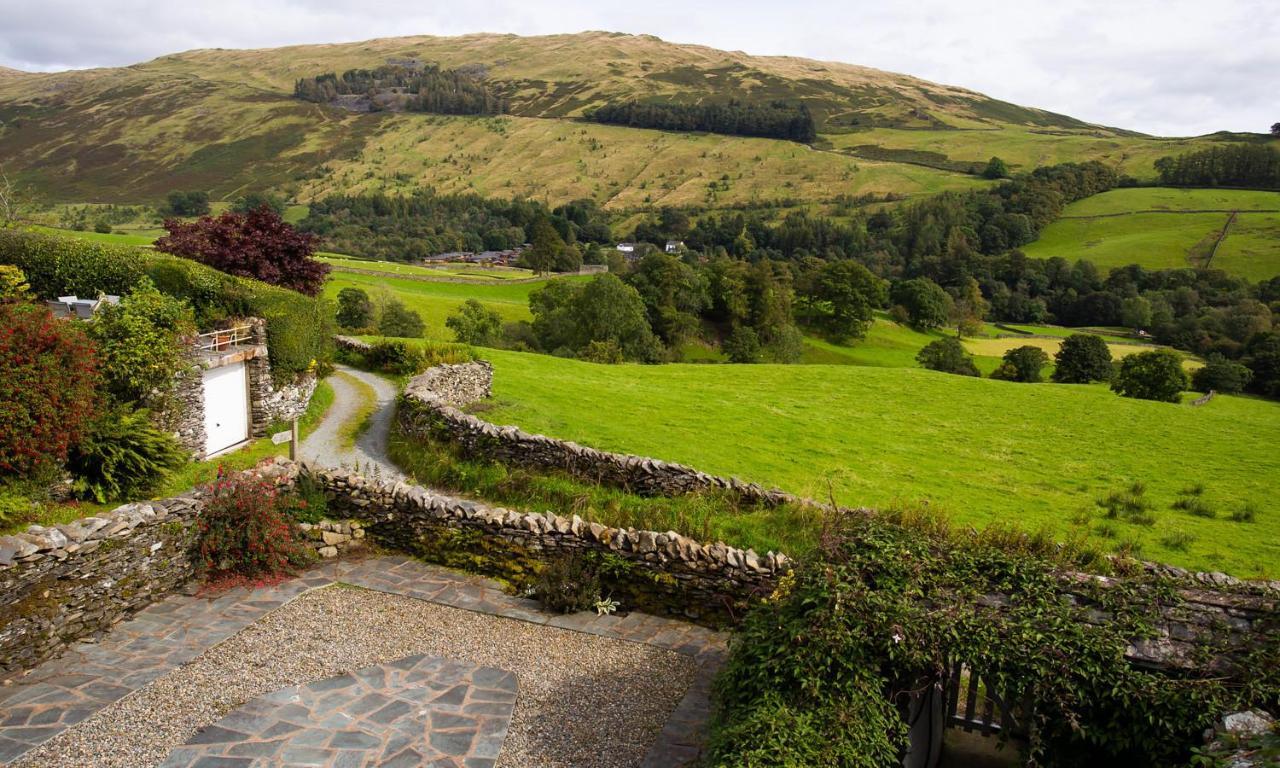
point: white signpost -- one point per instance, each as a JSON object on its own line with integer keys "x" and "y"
{"x": 289, "y": 436}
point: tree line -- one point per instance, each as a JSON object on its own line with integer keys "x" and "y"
{"x": 425, "y": 89}
{"x": 424, "y": 223}
{"x": 1237, "y": 165}
{"x": 775, "y": 120}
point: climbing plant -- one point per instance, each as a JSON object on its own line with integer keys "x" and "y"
{"x": 818, "y": 673}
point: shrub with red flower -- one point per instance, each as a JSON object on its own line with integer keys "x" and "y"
{"x": 48, "y": 388}
{"x": 244, "y": 532}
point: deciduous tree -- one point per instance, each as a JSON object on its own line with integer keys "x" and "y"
{"x": 1154, "y": 375}
{"x": 355, "y": 310}
{"x": 399, "y": 320}
{"x": 927, "y": 305}
{"x": 1082, "y": 358}
{"x": 847, "y": 295}
{"x": 1023, "y": 364}
{"x": 474, "y": 323}
{"x": 949, "y": 356}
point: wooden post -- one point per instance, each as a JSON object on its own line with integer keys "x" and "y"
{"x": 293, "y": 440}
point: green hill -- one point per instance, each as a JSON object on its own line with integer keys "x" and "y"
{"x": 984, "y": 451}
{"x": 1170, "y": 228}
{"x": 227, "y": 120}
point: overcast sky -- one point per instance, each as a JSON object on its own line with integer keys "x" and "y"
{"x": 1167, "y": 67}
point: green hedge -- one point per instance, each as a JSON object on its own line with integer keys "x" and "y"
{"x": 299, "y": 328}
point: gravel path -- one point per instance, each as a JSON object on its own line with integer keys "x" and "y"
{"x": 583, "y": 700}
{"x": 324, "y": 445}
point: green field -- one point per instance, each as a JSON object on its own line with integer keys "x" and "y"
{"x": 465, "y": 271}
{"x": 984, "y": 451}
{"x": 435, "y": 301}
{"x": 1169, "y": 229}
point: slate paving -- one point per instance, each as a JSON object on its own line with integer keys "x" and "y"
{"x": 420, "y": 710}
{"x": 168, "y": 634}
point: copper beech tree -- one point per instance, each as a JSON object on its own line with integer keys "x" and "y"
{"x": 257, "y": 244}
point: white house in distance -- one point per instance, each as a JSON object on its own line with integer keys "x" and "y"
{"x": 626, "y": 248}
{"x": 674, "y": 246}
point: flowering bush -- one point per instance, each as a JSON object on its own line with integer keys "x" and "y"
{"x": 48, "y": 388}
{"x": 244, "y": 532}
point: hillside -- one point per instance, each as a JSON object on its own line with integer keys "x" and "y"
{"x": 1234, "y": 230}
{"x": 223, "y": 121}
{"x": 891, "y": 437}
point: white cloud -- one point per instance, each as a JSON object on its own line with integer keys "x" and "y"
{"x": 1170, "y": 67}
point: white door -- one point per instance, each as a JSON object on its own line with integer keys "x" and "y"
{"x": 226, "y": 407}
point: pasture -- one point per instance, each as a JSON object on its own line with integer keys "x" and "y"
{"x": 982, "y": 451}
{"x": 1169, "y": 229}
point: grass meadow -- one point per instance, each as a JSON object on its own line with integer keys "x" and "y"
{"x": 981, "y": 451}
{"x": 1169, "y": 229}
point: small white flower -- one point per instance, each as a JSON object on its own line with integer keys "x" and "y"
{"x": 897, "y": 638}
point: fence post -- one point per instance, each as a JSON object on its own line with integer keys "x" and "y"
{"x": 293, "y": 440}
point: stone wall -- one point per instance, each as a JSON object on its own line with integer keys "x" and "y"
{"x": 187, "y": 419}
{"x": 667, "y": 573}
{"x": 270, "y": 403}
{"x": 430, "y": 408}
{"x": 70, "y": 581}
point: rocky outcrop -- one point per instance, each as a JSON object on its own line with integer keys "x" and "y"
{"x": 431, "y": 408}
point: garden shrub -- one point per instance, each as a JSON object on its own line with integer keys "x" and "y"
{"x": 567, "y": 585}
{"x": 881, "y": 608}
{"x": 307, "y": 503}
{"x": 123, "y": 456}
{"x": 142, "y": 345}
{"x": 59, "y": 266}
{"x": 48, "y": 388}
{"x": 243, "y": 531}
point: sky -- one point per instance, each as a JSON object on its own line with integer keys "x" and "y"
{"x": 1165, "y": 67}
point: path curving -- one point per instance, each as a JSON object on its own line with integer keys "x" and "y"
{"x": 326, "y": 446}
{"x": 419, "y": 710}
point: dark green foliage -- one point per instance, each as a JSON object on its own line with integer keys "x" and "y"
{"x": 1262, "y": 356}
{"x": 996, "y": 169}
{"x": 1082, "y": 358}
{"x": 143, "y": 344}
{"x": 252, "y": 201}
{"x": 604, "y": 352}
{"x": 414, "y": 226}
{"x": 816, "y": 670}
{"x": 102, "y": 228}
{"x": 949, "y": 356}
{"x": 399, "y": 320}
{"x": 567, "y": 585}
{"x": 775, "y": 120}
{"x": 845, "y": 297}
{"x": 674, "y": 295}
{"x": 194, "y": 203}
{"x": 742, "y": 346}
{"x": 1155, "y": 375}
{"x": 418, "y": 88}
{"x": 307, "y": 503}
{"x": 402, "y": 359}
{"x": 123, "y": 456}
{"x": 927, "y": 305}
{"x": 299, "y": 328}
{"x": 355, "y": 310}
{"x": 548, "y": 252}
{"x": 569, "y": 316}
{"x": 1130, "y": 504}
{"x": 474, "y": 323}
{"x": 1221, "y": 375}
{"x": 1023, "y": 364}
{"x": 1230, "y": 165}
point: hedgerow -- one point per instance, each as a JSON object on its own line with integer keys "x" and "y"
{"x": 818, "y": 674}
{"x": 299, "y": 328}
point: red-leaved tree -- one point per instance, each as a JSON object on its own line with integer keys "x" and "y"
{"x": 257, "y": 244}
{"x": 48, "y": 388}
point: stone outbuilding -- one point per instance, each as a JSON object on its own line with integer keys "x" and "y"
{"x": 228, "y": 395}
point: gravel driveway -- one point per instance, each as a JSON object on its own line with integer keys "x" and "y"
{"x": 324, "y": 445}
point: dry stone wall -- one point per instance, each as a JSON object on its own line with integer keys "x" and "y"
{"x": 68, "y": 581}
{"x": 431, "y": 408}
{"x": 659, "y": 572}
{"x": 270, "y": 403}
